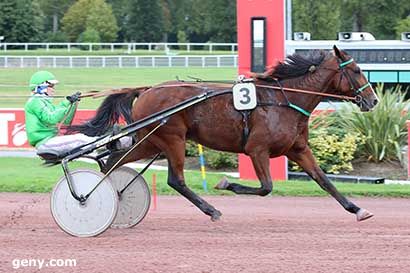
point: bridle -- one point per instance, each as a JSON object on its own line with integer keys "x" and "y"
{"x": 357, "y": 91}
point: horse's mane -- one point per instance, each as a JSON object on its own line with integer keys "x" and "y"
{"x": 293, "y": 66}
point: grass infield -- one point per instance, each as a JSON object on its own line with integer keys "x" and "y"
{"x": 28, "y": 175}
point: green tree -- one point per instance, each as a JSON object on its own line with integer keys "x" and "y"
{"x": 320, "y": 18}
{"x": 166, "y": 17}
{"x": 379, "y": 17}
{"x": 144, "y": 21}
{"x": 93, "y": 14}
{"x": 54, "y": 9}
{"x": 180, "y": 12}
{"x": 120, "y": 10}
{"x": 21, "y": 21}
{"x": 220, "y": 24}
{"x": 8, "y": 18}
{"x": 102, "y": 19}
{"x": 402, "y": 26}
{"x": 202, "y": 22}
{"x": 90, "y": 35}
{"x": 354, "y": 16}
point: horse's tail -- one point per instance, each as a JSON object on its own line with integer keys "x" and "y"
{"x": 115, "y": 106}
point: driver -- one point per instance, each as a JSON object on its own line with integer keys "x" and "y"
{"x": 44, "y": 119}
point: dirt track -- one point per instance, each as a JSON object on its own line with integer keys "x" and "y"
{"x": 271, "y": 234}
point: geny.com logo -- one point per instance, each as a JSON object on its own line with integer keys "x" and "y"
{"x": 40, "y": 263}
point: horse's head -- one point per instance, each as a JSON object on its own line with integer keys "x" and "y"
{"x": 349, "y": 80}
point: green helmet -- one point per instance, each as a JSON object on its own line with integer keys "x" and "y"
{"x": 40, "y": 77}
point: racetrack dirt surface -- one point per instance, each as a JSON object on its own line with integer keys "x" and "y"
{"x": 255, "y": 234}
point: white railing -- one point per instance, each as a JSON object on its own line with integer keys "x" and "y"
{"x": 128, "y": 47}
{"x": 118, "y": 61}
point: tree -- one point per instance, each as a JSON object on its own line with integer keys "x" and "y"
{"x": 162, "y": 20}
{"x": 55, "y": 10}
{"x": 202, "y": 22}
{"x": 90, "y": 35}
{"x": 21, "y": 21}
{"x": 220, "y": 23}
{"x": 180, "y": 13}
{"x": 8, "y": 18}
{"x": 120, "y": 9}
{"x": 380, "y": 17}
{"x": 144, "y": 21}
{"x": 101, "y": 18}
{"x": 402, "y": 26}
{"x": 166, "y": 17}
{"x": 92, "y": 14}
{"x": 320, "y": 18}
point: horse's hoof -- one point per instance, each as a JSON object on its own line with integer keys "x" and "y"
{"x": 363, "y": 214}
{"x": 223, "y": 184}
{"x": 216, "y": 216}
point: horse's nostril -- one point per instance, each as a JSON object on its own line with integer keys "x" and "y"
{"x": 375, "y": 102}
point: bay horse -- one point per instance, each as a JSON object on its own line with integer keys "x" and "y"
{"x": 275, "y": 128}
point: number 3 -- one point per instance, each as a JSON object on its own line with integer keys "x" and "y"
{"x": 245, "y": 95}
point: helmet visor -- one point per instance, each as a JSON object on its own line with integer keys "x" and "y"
{"x": 52, "y": 82}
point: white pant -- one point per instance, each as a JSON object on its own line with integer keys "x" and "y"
{"x": 69, "y": 142}
{"x": 66, "y": 142}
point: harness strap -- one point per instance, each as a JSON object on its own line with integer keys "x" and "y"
{"x": 297, "y": 108}
{"x": 291, "y": 105}
{"x": 360, "y": 90}
{"x": 342, "y": 65}
{"x": 282, "y": 91}
{"x": 245, "y": 133}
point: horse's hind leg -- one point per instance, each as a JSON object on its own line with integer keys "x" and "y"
{"x": 174, "y": 149}
{"x": 260, "y": 163}
{"x": 178, "y": 183}
{"x": 304, "y": 158}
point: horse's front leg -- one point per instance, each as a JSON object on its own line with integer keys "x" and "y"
{"x": 305, "y": 159}
{"x": 260, "y": 161}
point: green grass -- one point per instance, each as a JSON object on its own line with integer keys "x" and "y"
{"x": 108, "y": 52}
{"x": 15, "y": 81}
{"x": 28, "y": 175}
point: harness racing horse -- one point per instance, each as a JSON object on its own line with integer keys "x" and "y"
{"x": 277, "y": 126}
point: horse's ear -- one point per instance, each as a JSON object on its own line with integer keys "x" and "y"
{"x": 337, "y": 52}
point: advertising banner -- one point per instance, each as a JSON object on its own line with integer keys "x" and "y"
{"x": 13, "y": 127}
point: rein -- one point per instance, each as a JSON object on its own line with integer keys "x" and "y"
{"x": 341, "y": 69}
{"x": 60, "y": 124}
{"x": 272, "y": 87}
{"x": 92, "y": 93}
{"x": 307, "y": 92}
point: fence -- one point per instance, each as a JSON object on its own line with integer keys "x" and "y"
{"x": 129, "y": 47}
{"x": 118, "y": 61}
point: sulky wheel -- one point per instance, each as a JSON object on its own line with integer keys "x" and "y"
{"x": 95, "y": 215}
{"x": 134, "y": 202}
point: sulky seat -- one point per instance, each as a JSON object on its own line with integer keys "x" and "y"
{"x": 52, "y": 156}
